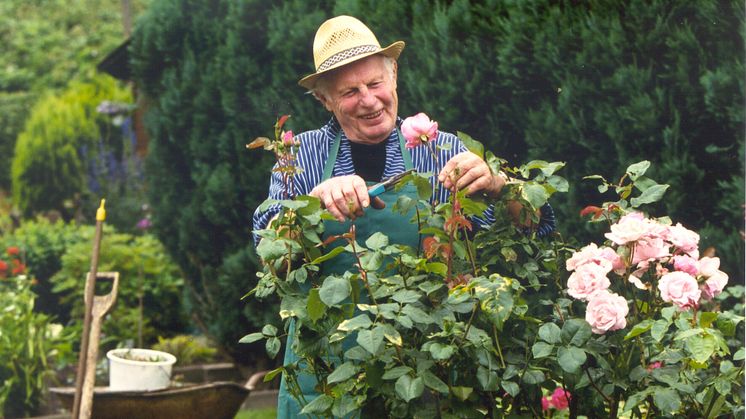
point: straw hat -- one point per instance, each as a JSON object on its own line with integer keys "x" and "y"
{"x": 342, "y": 40}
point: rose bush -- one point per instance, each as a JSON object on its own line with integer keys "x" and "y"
{"x": 500, "y": 322}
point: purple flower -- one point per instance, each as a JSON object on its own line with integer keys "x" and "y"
{"x": 144, "y": 224}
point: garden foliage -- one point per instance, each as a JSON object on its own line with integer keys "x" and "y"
{"x": 60, "y": 139}
{"x": 492, "y": 327}
{"x": 45, "y": 46}
{"x": 29, "y": 343}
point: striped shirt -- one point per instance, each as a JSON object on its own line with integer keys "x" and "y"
{"x": 314, "y": 151}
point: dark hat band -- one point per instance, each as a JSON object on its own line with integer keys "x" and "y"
{"x": 346, "y": 54}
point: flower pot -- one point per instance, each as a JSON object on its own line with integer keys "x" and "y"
{"x": 139, "y": 369}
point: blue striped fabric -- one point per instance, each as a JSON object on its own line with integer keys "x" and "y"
{"x": 314, "y": 151}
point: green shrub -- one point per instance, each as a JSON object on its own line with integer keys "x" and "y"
{"x": 28, "y": 343}
{"x": 150, "y": 287}
{"x": 48, "y": 170}
{"x": 42, "y": 244}
{"x": 187, "y": 349}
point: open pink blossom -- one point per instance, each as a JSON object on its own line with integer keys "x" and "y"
{"x": 714, "y": 285}
{"x": 649, "y": 249}
{"x": 586, "y": 280}
{"x": 633, "y": 227}
{"x": 418, "y": 130}
{"x": 606, "y": 312}
{"x": 686, "y": 263}
{"x": 560, "y": 398}
{"x": 687, "y": 241}
{"x": 679, "y": 288}
{"x": 709, "y": 266}
{"x": 605, "y": 257}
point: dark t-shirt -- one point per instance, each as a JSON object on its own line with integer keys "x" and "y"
{"x": 369, "y": 160}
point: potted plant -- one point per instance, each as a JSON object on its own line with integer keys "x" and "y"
{"x": 139, "y": 369}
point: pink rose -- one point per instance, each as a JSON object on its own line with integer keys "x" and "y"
{"x": 633, "y": 227}
{"x": 709, "y": 266}
{"x": 606, "y": 312}
{"x": 714, "y": 285}
{"x": 586, "y": 280}
{"x": 686, "y": 264}
{"x": 287, "y": 138}
{"x": 418, "y": 130}
{"x": 560, "y": 398}
{"x": 602, "y": 256}
{"x": 648, "y": 249}
{"x": 654, "y": 365}
{"x": 634, "y": 279}
{"x": 684, "y": 239}
{"x": 679, "y": 288}
{"x": 716, "y": 280}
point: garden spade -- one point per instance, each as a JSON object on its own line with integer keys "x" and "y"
{"x": 95, "y": 308}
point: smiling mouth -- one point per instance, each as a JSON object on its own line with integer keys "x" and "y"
{"x": 373, "y": 115}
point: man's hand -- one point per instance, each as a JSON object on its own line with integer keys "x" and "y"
{"x": 345, "y": 196}
{"x": 469, "y": 171}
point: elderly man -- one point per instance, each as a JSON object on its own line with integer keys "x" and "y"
{"x": 356, "y": 81}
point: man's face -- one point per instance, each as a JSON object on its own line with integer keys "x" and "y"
{"x": 362, "y": 95}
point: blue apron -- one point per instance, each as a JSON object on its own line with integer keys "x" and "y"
{"x": 399, "y": 230}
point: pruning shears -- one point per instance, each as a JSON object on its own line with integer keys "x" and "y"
{"x": 387, "y": 184}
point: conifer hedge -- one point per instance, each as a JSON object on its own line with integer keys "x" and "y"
{"x": 599, "y": 84}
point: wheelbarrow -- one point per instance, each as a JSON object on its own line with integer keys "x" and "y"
{"x": 218, "y": 400}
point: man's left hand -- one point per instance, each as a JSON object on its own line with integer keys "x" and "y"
{"x": 469, "y": 171}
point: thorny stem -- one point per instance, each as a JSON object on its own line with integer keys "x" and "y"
{"x": 470, "y": 252}
{"x": 593, "y": 383}
{"x": 497, "y": 346}
{"x": 363, "y": 272}
{"x": 435, "y": 175}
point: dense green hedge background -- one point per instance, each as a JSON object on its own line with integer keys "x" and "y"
{"x": 599, "y": 84}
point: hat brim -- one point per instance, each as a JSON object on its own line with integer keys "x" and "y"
{"x": 392, "y": 51}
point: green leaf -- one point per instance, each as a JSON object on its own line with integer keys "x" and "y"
{"x": 639, "y": 329}
{"x": 659, "y": 329}
{"x": 437, "y": 268}
{"x": 570, "y": 358}
{"x": 550, "y": 333}
{"x": 533, "y": 377}
{"x": 462, "y": 393}
{"x": 541, "y": 349}
{"x": 332, "y": 253}
{"x": 269, "y": 330}
{"x": 706, "y": 318}
{"x": 406, "y": 296}
{"x": 417, "y": 315}
{"x": 273, "y": 347}
{"x": 409, "y": 388}
{"x": 667, "y": 400}
{"x": 272, "y": 374}
{"x": 377, "y": 241}
{"x": 637, "y": 169}
{"x": 471, "y": 144}
{"x": 315, "y": 307}
{"x": 371, "y": 340}
{"x": 576, "y": 332}
{"x": 432, "y": 381}
{"x": 487, "y": 379}
{"x": 334, "y": 290}
{"x": 396, "y": 372}
{"x": 559, "y": 183}
{"x": 649, "y": 195}
{"x": 318, "y": 406}
{"x": 701, "y": 347}
{"x": 271, "y": 249}
{"x": 392, "y": 335}
{"x": 739, "y": 355}
{"x": 535, "y": 194}
{"x": 361, "y": 321}
{"x": 252, "y": 337}
{"x": 344, "y": 406}
{"x": 342, "y": 372}
{"x": 512, "y": 388}
{"x": 371, "y": 261}
{"x": 440, "y": 351}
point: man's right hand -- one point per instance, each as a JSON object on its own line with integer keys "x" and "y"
{"x": 345, "y": 197}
